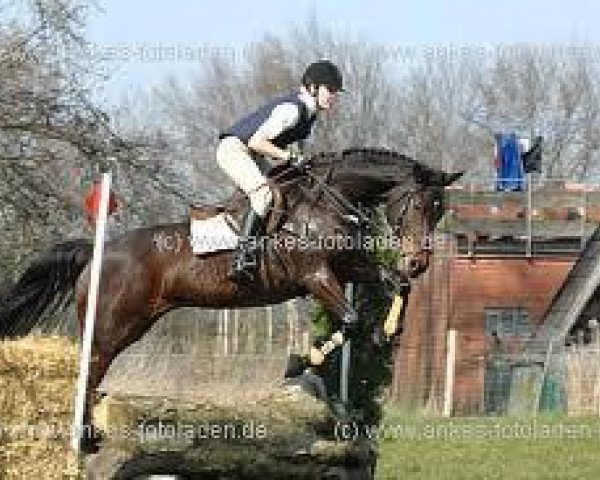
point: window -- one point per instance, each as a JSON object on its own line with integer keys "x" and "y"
{"x": 507, "y": 322}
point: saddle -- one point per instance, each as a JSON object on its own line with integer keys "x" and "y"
{"x": 238, "y": 204}
{"x": 222, "y": 221}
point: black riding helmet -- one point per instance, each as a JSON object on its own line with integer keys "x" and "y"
{"x": 323, "y": 73}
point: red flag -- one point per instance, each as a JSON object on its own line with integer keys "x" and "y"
{"x": 92, "y": 202}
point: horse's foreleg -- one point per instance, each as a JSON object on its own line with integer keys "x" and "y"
{"x": 398, "y": 283}
{"x": 397, "y": 280}
{"x": 325, "y": 286}
{"x": 368, "y": 272}
{"x": 397, "y": 287}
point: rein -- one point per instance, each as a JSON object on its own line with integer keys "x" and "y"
{"x": 345, "y": 209}
{"x": 341, "y": 204}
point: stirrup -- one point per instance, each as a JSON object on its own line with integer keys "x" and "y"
{"x": 245, "y": 260}
{"x": 244, "y": 265}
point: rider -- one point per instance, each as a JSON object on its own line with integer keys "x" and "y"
{"x": 267, "y": 131}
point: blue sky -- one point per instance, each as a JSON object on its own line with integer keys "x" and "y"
{"x": 227, "y": 24}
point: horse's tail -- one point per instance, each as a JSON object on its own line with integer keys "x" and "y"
{"x": 45, "y": 287}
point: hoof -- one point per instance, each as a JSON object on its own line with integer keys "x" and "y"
{"x": 296, "y": 365}
{"x": 89, "y": 446}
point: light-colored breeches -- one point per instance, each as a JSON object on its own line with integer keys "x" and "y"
{"x": 236, "y": 161}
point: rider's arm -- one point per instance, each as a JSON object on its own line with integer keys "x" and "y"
{"x": 282, "y": 117}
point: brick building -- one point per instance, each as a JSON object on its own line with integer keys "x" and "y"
{"x": 491, "y": 286}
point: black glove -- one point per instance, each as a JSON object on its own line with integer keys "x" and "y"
{"x": 298, "y": 161}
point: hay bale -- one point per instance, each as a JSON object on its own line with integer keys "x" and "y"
{"x": 37, "y": 381}
{"x": 37, "y": 459}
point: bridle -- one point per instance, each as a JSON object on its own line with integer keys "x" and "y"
{"x": 423, "y": 246}
{"x": 343, "y": 207}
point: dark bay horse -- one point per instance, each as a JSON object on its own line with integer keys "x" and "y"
{"x": 150, "y": 271}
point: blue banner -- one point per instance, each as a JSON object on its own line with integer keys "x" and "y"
{"x": 509, "y": 170}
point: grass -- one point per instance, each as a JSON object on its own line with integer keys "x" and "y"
{"x": 433, "y": 448}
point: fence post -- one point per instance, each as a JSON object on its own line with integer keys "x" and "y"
{"x": 270, "y": 329}
{"x": 450, "y": 363}
{"x": 225, "y": 332}
{"x": 236, "y": 331}
{"x": 346, "y": 350}
{"x": 595, "y": 329}
{"x": 580, "y": 337}
{"x": 305, "y": 342}
{"x": 292, "y": 317}
{"x": 219, "y": 334}
{"x": 250, "y": 340}
{"x": 595, "y": 343}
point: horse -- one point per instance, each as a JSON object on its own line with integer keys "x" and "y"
{"x": 143, "y": 278}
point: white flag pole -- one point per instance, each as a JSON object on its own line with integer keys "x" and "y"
{"x": 90, "y": 314}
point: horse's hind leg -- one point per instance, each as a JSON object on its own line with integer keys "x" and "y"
{"x": 121, "y": 320}
{"x": 99, "y": 363}
{"x": 88, "y": 439}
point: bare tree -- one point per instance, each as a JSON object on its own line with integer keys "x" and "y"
{"x": 47, "y": 124}
{"x": 556, "y": 96}
{"x": 53, "y": 139}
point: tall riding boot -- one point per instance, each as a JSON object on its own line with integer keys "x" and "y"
{"x": 245, "y": 257}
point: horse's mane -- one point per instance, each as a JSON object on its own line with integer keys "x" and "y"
{"x": 357, "y": 156}
{"x": 376, "y": 158}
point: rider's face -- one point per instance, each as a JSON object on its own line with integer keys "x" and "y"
{"x": 325, "y": 97}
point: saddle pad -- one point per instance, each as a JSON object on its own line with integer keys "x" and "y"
{"x": 212, "y": 234}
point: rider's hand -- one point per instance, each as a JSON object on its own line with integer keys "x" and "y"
{"x": 297, "y": 161}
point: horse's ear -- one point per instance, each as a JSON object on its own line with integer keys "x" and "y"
{"x": 450, "y": 178}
